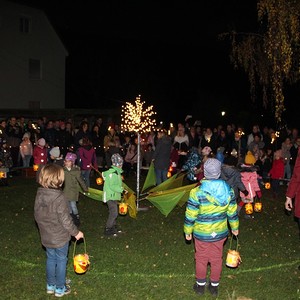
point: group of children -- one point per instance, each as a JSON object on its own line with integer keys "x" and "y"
{"x": 56, "y": 211}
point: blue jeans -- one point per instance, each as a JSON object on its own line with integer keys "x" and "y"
{"x": 56, "y": 265}
{"x": 73, "y": 207}
{"x": 26, "y": 161}
{"x": 161, "y": 176}
{"x": 86, "y": 176}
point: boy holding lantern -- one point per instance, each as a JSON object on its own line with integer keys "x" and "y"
{"x": 210, "y": 208}
{"x": 112, "y": 193}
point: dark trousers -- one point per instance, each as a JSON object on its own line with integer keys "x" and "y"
{"x": 112, "y": 213}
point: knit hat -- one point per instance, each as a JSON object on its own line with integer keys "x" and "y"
{"x": 212, "y": 168}
{"x": 41, "y": 142}
{"x": 71, "y": 156}
{"x": 249, "y": 158}
{"x": 26, "y": 134}
{"x": 55, "y": 152}
{"x": 117, "y": 160}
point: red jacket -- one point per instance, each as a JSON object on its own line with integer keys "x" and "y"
{"x": 293, "y": 190}
{"x": 277, "y": 170}
{"x": 40, "y": 155}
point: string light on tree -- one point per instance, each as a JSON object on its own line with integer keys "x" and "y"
{"x": 136, "y": 118}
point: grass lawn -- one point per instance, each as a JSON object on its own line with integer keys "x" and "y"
{"x": 151, "y": 259}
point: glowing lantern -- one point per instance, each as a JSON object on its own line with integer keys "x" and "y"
{"x": 248, "y": 208}
{"x": 2, "y": 174}
{"x": 233, "y": 258}
{"x": 99, "y": 180}
{"x": 81, "y": 262}
{"x": 267, "y": 185}
{"x": 35, "y": 167}
{"x": 257, "y": 206}
{"x": 123, "y": 208}
{"x": 169, "y": 174}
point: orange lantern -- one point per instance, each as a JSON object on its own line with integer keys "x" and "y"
{"x": 257, "y": 206}
{"x": 35, "y": 167}
{"x": 248, "y": 208}
{"x": 169, "y": 174}
{"x": 171, "y": 169}
{"x": 2, "y": 175}
{"x": 99, "y": 180}
{"x": 123, "y": 208}
{"x": 267, "y": 185}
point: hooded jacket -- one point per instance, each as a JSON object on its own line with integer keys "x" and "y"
{"x": 113, "y": 185}
{"x": 73, "y": 182}
{"x": 210, "y": 206}
{"x": 51, "y": 212}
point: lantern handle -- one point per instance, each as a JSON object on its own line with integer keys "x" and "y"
{"x": 75, "y": 247}
{"x": 96, "y": 170}
{"x": 237, "y": 242}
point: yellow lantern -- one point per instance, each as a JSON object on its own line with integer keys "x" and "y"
{"x": 257, "y": 206}
{"x": 248, "y": 208}
{"x": 267, "y": 185}
{"x": 123, "y": 208}
{"x": 2, "y": 175}
{"x": 99, "y": 180}
{"x": 35, "y": 167}
{"x": 169, "y": 174}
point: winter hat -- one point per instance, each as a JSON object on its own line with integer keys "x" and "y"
{"x": 249, "y": 158}
{"x": 117, "y": 160}
{"x": 55, "y": 152}
{"x": 41, "y": 142}
{"x": 71, "y": 156}
{"x": 212, "y": 168}
{"x": 26, "y": 134}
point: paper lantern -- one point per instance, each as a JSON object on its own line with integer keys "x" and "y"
{"x": 248, "y": 208}
{"x": 123, "y": 208}
{"x": 257, "y": 206}
{"x": 2, "y": 174}
{"x": 267, "y": 185}
{"x": 169, "y": 174}
{"x": 35, "y": 167}
{"x": 99, "y": 180}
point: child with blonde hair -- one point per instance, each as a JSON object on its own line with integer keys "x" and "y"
{"x": 51, "y": 213}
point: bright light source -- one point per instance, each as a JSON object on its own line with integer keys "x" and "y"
{"x": 223, "y": 113}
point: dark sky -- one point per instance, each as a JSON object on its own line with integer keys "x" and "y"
{"x": 166, "y": 51}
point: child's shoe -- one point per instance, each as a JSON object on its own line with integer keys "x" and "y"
{"x": 117, "y": 229}
{"x": 110, "y": 232}
{"x": 213, "y": 290}
{"x": 199, "y": 289}
{"x": 61, "y": 292}
{"x": 50, "y": 288}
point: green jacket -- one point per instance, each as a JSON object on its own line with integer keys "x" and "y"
{"x": 72, "y": 184}
{"x": 210, "y": 209}
{"x": 112, "y": 188}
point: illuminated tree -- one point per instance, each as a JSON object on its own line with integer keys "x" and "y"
{"x": 270, "y": 57}
{"x": 135, "y": 118}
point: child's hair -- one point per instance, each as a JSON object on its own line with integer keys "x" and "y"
{"x": 51, "y": 176}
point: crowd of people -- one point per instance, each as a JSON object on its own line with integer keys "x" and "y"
{"x": 228, "y": 164}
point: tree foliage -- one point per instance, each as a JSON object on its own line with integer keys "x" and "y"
{"x": 270, "y": 57}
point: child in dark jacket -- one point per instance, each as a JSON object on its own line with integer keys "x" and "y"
{"x": 73, "y": 182}
{"x": 51, "y": 212}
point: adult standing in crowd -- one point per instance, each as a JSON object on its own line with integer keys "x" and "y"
{"x": 162, "y": 156}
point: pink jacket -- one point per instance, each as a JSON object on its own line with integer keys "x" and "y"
{"x": 250, "y": 181}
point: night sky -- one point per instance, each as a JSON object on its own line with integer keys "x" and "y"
{"x": 166, "y": 52}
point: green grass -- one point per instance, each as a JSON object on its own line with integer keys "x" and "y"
{"x": 150, "y": 260}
